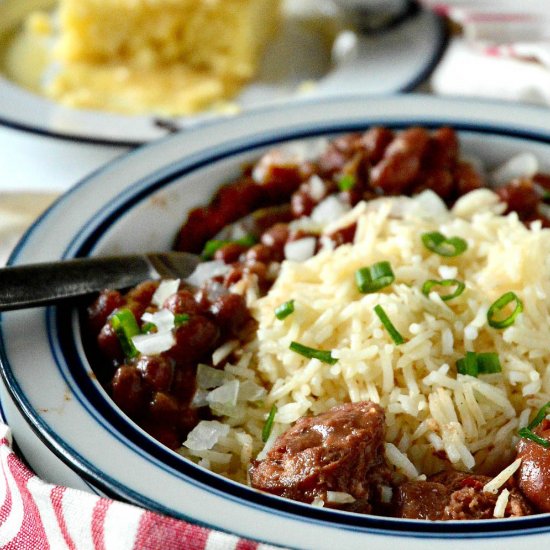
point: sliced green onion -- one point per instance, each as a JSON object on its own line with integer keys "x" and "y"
{"x": 431, "y": 283}
{"x": 393, "y": 332}
{"x": 268, "y": 426}
{"x": 147, "y": 328}
{"x": 125, "y": 327}
{"x": 468, "y": 364}
{"x": 444, "y": 246}
{"x": 528, "y": 433}
{"x": 211, "y": 247}
{"x": 374, "y": 278}
{"x": 180, "y": 319}
{"x": 284, "y": 310}
{"x": 546, "y": 196}
{"x": 346, "y": 182}
{"x": 474, "y": 364}
{"x": 488, "y": 363}
{"x": 498, "y": 305}
{"x": 325, "y": 356}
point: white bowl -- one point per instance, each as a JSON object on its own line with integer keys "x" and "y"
{"x": 54, "y": 403}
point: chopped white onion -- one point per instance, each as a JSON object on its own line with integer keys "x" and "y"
{"x": 205, "y": 435}
{"x": 329, "y": 210}
{"x": 207, "y": 270}
{"x": 224, "y": 351}
{"x": 154, "y": 343}
{"x": 199, "y": 399}
{"x": 316, "y": 188}
{"x": 318, "y": 502}
{"x": 339, "y": 497}
{"x": 208, "y": 377}
{"x": 165, "y": 289}
{"x": 300, "y": 250}
{"x": 430, "y": 204}
{"x": 448, "y": 271}
{"x": 501, "y": 503}
{"x": 523, "y": 165}
{"x": 162, "y": 319}
{"x": 327, "y": 243}
{"x": 250, "y": 391}
{"x": 226, "y": 395}
{"x": 386, "y": 494}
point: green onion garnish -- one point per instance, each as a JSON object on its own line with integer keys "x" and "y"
{"x": 498, "y": 305}
{"x": 431, "y": 283}
{"x": 125, "y": 326}
{"x": 147, "y": 328}
{"x": 325, "y": 356}
{"x": 268, "y": 426}
{"x": 374, "y": 278}
{"x": 475, "y": 364}
{"x": 346, "y": 182}
{"x": 444, "y": 246}
{"x": 393, "y": 332}
{"x": 180, "y": 319}
{"x": 211, "y": 247}
{"x": 528, "y": 433}
{"x": 284, "y": 310}
{"x": 546, "y": 196}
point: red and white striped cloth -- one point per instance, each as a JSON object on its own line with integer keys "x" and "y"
{"x": 503, "y": 51}
{"x": 37, "y": 515}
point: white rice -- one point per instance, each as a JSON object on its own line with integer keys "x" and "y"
{"x": 434, "y": 416}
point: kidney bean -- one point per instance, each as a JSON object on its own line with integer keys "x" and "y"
{"x": 543, "y": 180}
{"x": 230, "y": 313}
{"x": 194, "y": 340}
{"x": 259, "y": 253}
{"x": 127, "y": 389}
{"x": 194, "y": 232}
{"x": 466, "y": 178}
{"x": 344, "y": 235}
{"x": 521, "y": 196}
{"x": 331, "y": 161}
{"x": 301, "y": 203}
{"x": 375, "y": 141}
{"x": 188, "y": 419}
{"x": 275, "y": 238}
{"x": 230, "y": 253}
{"x": 103, "y": 306}
{"x": 182, "y": 302}
{"x": 438, "y": 180}
{"x": 401, "y": 164}
{"x": 184, "y": 384}
{"x": 157, "y": 371}
{"x": 167, "y": 435}
{"x": 442, "y": 149}
{"x": 108, "y": 343}
{"x": 142, "y": 293}
{"x": 534, "y": 471}
{"x": 164, "y": 408}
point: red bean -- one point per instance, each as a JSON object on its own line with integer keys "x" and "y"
{"x": 344, "y": 235}
{"x": 438, "y": 180}
{"x": 259, "y": 253}
{"x": 230, "y": 252}
{"x": 164, "y": 408}
{"x": 157, "y": 371}
{"x": 443, "y": 149}
{"x": 521, "y": 196}
{"x": 275, "y": 238}
{"x": 466, "y": 178}
{"x": 104, "y": 305}
{"x": 182, "y": 302}
{"x": 109, "y": 344}
{"x": 142, "y": 293}
{"x": 194, "y": 340}
{"x": 167, "y": 435}
{"x": 127, "y": 389}
{"x": 375, "y": 142}
{"x": 534, "y": 471}
{"x": 230, "y": 313}
{"x": 301, "y": 203}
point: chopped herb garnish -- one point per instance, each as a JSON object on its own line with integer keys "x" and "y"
{"x": 444, "y": 246}
{"x": 528, "y": 433}
{"x": 125, "y": 327}
{"x": 146, "y": 328}
{"x": 284, "y": 310}
{"x": 430, "y": 284}
{"x": 268, "y": 426}
{"x": 211, "y": 247}
{"x": 325, "y": 356}
{"x": 346, "y": 182}
{"x": 498, "y": 305}
{"x": 180, "y": 319}
{"x": 546, "y": 196}
{"x": 393, "y": 332}
{"x": 374, "y": 278}
{"x": 474, "y": 364}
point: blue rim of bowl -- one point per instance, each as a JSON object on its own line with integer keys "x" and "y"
{"x": 59, "y": 321}
{"x": 413, "y": 10}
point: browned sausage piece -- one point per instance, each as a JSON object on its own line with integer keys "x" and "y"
{"x": 455, "y": 496}
{"x": 534, "y": 471}
{"x": 334, "y": 451}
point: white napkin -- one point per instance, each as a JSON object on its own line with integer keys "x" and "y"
{"x": 503, "y": 50}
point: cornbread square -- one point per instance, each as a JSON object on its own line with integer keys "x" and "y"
{"x": 223, "y": 37}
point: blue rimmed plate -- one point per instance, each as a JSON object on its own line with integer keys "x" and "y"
{"x": 60, "y": 414}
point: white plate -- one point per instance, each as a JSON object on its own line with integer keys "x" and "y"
{"x": 393, "y": 60}
{"x": 137, "y": 203}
